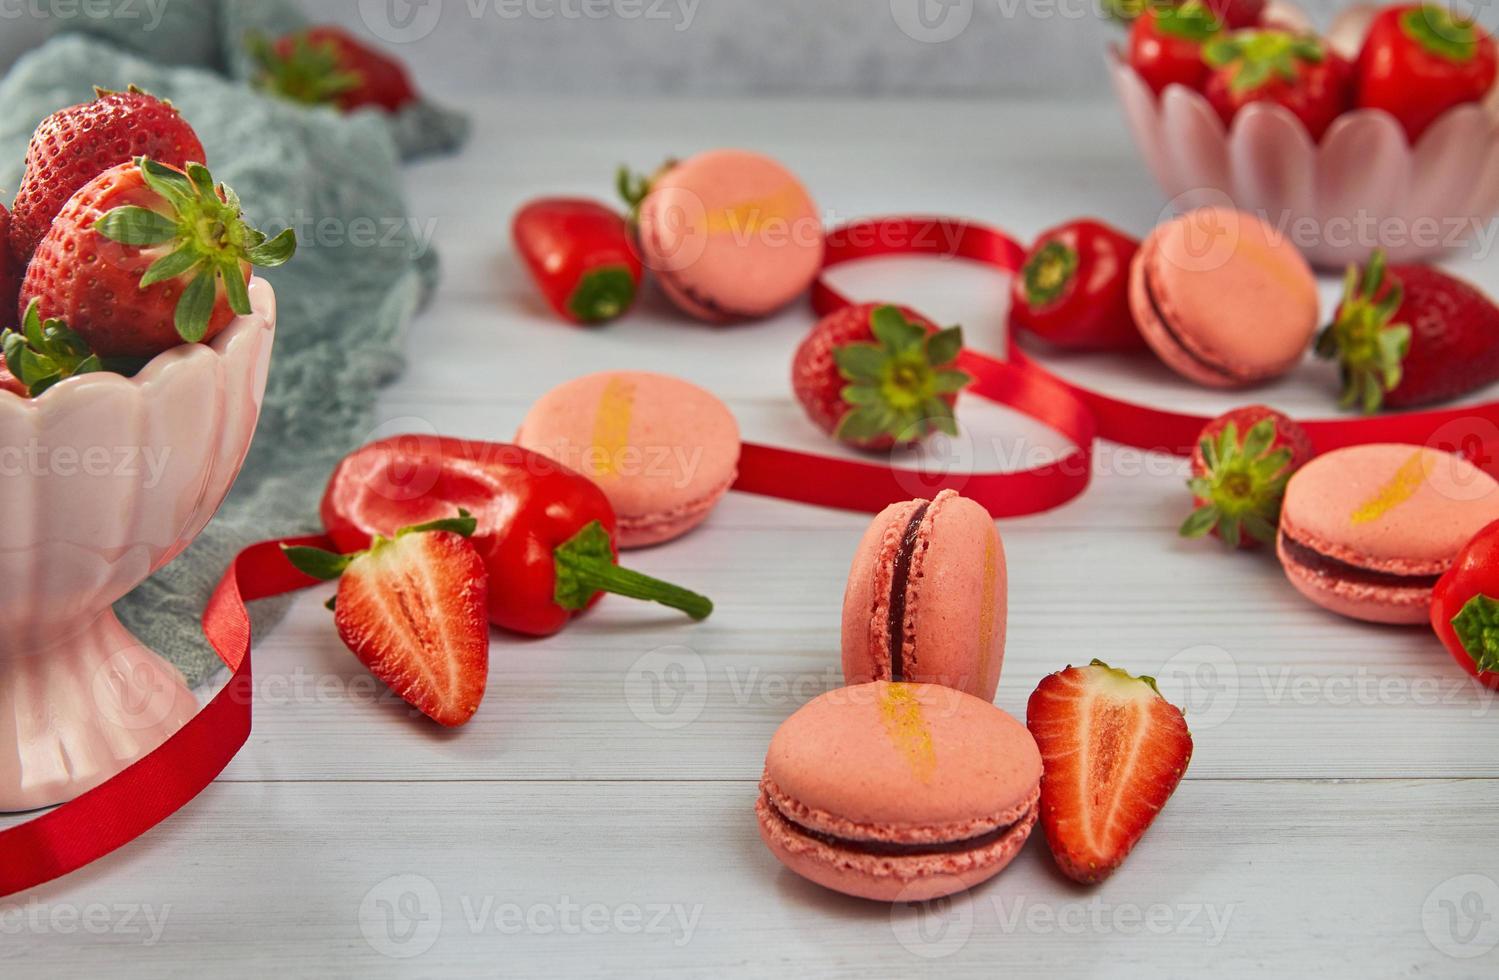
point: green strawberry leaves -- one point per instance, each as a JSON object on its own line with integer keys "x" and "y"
{"x": 309, "y": 73}
{"x": 900, "y": 384}
{"x": 1477, "y": 626}
{"x": 1243, "y": 486}
{"x": 325, "y": 566}
{"x": 1369, "y": 346}
{"x": 45, "y": 352}
{"x": 1260, "y": 57}
{"x": 1191, "y": 21}
{"x": 200, "y": 230}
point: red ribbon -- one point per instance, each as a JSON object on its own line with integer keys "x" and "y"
{"x": 871, "y": 486}
{"x": 125, "y": 807}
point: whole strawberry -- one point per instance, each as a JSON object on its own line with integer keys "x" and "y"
{"x": 1411, "y": 335}
{"x": 877, "y": 377}
{"x": 10, "y": 270}
{"x": 73, "y": 146}
{"x": 328, "y": 66}
{"x": 1240, "y": 469}
{"x": 145, "y": 257}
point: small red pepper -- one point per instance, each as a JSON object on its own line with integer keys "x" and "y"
{"x": 1465, "y": 607}
{"x": 546, "y": 533}
{"x": 1073, "y": 290}
{"x": 581, "y": 255}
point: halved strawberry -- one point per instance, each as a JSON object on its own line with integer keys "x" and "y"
{"x": 1113, "y": 751}
{"x": 411, "y": 609}
{"x": 1240, "y": 469}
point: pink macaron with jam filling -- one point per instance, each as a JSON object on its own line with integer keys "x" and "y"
{"x": 899, "y": 792}
{"x": 664, "y": 451}
{"x": 731, "y": 235}
{"x": 926, "y": 598}
{"x": 1367, "y": 531}
{"x": 1223, "y": 299}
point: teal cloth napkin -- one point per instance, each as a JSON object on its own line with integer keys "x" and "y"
{"x": 211, "y": 34}
{"x": 344, "y": 301}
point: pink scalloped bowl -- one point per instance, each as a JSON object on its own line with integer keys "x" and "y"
{"x": 103, "y": 480}
{"x": 1362, "y": 187}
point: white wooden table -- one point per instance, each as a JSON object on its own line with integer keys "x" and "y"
{"x": 597, "y": 816}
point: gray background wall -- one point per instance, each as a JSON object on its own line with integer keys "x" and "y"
{"x": 1026, "y": 48}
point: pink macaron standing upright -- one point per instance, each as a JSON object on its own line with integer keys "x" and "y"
{"x": 926, "y": 598}
{"x": 1223, "y": 299}
{"x": 1367, "y": 531}
{"x": 731, "y": 235}
{"x": 899, "y": 792}
{"x": 664, "y": 451}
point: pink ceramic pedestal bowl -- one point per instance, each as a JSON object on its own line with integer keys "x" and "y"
{"x": 103, "y": 480}
{"x": 1362, "y": 187}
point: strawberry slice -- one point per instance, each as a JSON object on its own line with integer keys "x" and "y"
{"x": 412, "y": 609}
{"x": 1113, "y": 751}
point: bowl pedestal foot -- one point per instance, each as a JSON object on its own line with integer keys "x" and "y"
{"x": 76, "y": 711}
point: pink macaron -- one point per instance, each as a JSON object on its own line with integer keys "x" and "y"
{"x": 1222, "y": 299}
{"x": 899, "y": 792}
{"x": 731, "y": 235}
{"x": 926, "y": 598}
{"x": 1367, "y": 531}
{"x": 664, "y": 451}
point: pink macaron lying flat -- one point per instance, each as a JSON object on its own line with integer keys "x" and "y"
{"x": 1223, "y": 299}
{"x": 1367, "y": 531}
{"x": 664, "y": 451}
{"x": 926, "y": 598}
{"x": 731, "y": 235}
{"x": 899, "y": 792}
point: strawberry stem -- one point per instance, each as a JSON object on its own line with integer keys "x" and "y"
{"x": 1369, "y": 346}
{"x": 1440, "y": 32}
{"x": 586, "y": 567}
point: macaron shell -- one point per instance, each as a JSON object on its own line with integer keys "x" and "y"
{"x": 663, "y": 451}
{"x": 1390, "y": 507}
{"x": 1224, "y": 299}
{"x": 904, "y": 757}
{"x": 956, "y": 599}
{"x": 866, "y": 600}
{"x": 1358, "y": 600}
{"x": 731, "y": 235}
{"x": 889, "y": 879}
{"x": 907, "y": 764}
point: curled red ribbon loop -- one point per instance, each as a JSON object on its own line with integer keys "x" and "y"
{"x": 126, "y": 806}
{"x": 873, "y": 485}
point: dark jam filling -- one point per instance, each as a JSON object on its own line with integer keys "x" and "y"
{"x": 1315, "y": 561}
{"x": 887, "y": 849}
{"x": 1176, "y": 338}
{"x": 895, "y": 623}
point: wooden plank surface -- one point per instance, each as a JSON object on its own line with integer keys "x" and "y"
{"x": 596, "y": 818}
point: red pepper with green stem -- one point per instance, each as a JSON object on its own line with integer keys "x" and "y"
{"x": 1465, "y": 607}
{"x": 581, "y": 256}
{"x": 546, "y": 534}
{"x": 1073, "y": 290}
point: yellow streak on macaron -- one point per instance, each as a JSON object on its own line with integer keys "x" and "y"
{"x": 1401, "y": 487}
{"x": 611, "y": 427}
{"x": 986, "y": 614}
{"x": 750, "y": 217}
{"x": 908, "y": 731}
